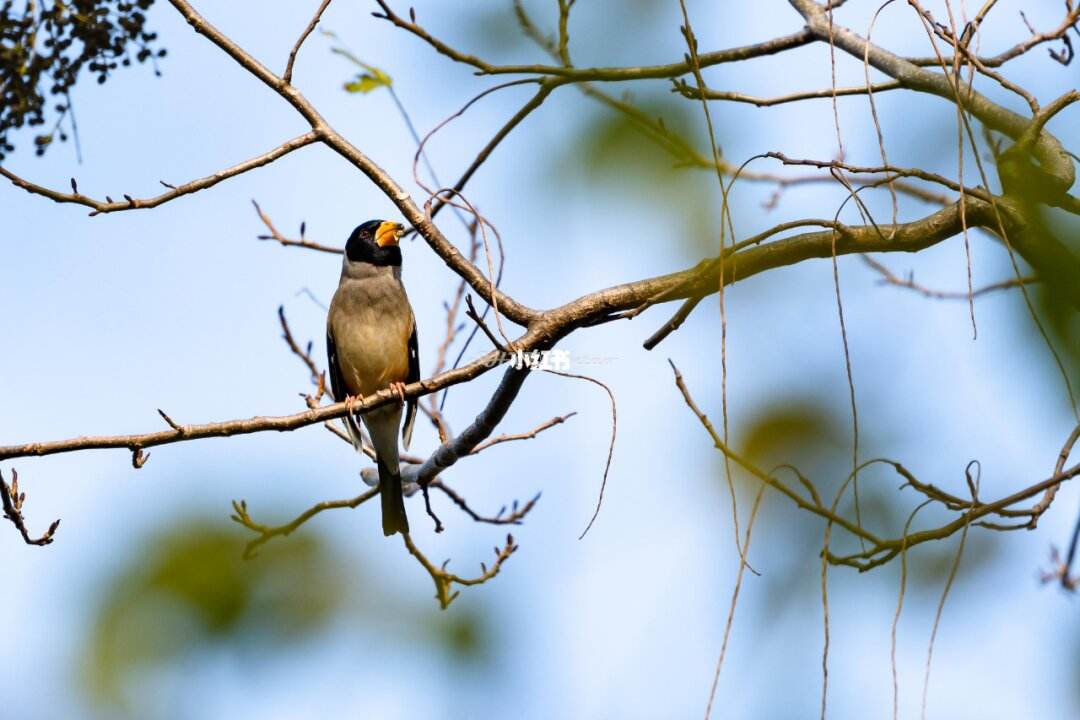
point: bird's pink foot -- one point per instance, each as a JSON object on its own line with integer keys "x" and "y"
{"x": 398, "y": 388}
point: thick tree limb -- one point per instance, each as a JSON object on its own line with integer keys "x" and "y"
{"x": 453, "y": 258}
{"x": 449, "y": 453}
{"x": 1055, "y": 162}
{"x": 550, "y": 326}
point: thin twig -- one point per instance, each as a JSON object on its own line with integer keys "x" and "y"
{"x": 12, "y": 501}
{"x": 268, "y": 532}
{"x": 558, "y": 420}
{"x": 444, "y": 581}
{"x": 107, "y": 206}
{"x": 611, "y": 445}
{"x": 281, "y": 239}
{"x": 287, "y": 76}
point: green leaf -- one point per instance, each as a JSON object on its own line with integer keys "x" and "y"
{"x": 371, "y": 79}
{"x": 366, "y": 82}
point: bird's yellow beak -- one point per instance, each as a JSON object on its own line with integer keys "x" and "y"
{"x": 388, "y": 234}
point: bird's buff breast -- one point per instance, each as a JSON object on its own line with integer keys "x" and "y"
{"x": 371, "y": 321}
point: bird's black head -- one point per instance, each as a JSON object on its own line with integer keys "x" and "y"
{"x": 375, "y": 242}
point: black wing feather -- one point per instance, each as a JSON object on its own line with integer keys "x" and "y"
{"x": 414, "y": 376}
{"x": 337, "y": 386}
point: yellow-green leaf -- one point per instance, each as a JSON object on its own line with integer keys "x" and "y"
{"x": 371, "y": 79}
{"x": 366, "y": 82}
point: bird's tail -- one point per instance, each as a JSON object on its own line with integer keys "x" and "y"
{"x": 394, "y": 519}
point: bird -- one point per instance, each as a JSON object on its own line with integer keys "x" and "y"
{"x": 371, "y": 345}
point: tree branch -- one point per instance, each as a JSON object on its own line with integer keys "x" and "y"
{"x": 609, "y": 74}
{"x": 1036, "y": 39}
{"x": 438, "y": 242}
{"x": 559, "y": 420}
{"x": 287, "y": 77}
{"x": 444, "y": 581}
{"x": 286, "y": 242}
{"x": 1052, "y": 156}
{"x": 689, "y": 91}
{"x": 12, "y": 501}
{"x": 129, "y": 203}
{"x": 550, "y": 326}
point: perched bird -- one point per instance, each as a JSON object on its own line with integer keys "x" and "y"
{"x": 371, "y": 345}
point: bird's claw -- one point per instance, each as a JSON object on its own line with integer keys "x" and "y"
{"x": 351, "y": 401}
{"x": 398, "y": 388}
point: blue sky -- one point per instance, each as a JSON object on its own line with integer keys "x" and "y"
{"x": 108, "y": 318}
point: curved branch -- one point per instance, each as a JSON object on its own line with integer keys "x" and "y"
{"x": 1036, "y": 39}
{"x": 266, "y": 533}
{"x": 438, "y": 242}
{"x": 606, "y": 74}
{"x": 175, "y": 191}
{"x": 550, "y": 326}
{"x": 11, "y": 501}
{"x": 450, "y": 452}
{"x": 693, "y": 93}
{"x": 1049, "y": 151}
{"x": 444, "y": 581}
{"x": 287, "y": 77}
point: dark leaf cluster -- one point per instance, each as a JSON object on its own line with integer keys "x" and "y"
{"x": 45, "y": 45}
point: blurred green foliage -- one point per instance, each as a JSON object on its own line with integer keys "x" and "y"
{"x": 612, "y": 150}
{"x": 809, "y": 435}
{"x": 369, "y": 78}
{"x": 188, "y": 588}
{"x": 187, "y": 591}
{"x": 1052, "y": 302}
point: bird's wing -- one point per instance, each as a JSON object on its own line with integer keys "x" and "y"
{"x": 414, "y": 376}
{"x": 337, "y": 386}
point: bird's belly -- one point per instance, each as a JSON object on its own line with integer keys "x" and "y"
{"x": 372, "y": 354}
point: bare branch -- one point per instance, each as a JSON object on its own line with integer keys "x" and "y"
{"x": 919, "y": 173}
{"x": 1055, "y": 162}
{"x": 532, "y": 104}
{"x": 450, "y": 255}
{"x": 444, "y": 581}
{"x": 880, "y": 551}
{"x": 517, "y": 513}
{"x": 1048, "y": 497}
{"x": 611, "y": 443}
{"x": 450, "y": 452}
{"x": 279, "y": 238}
{"x": 550, "y": 326}
{"x": 267, "y": 532}
{"x": 694, "y": 93}
{"x": 473, "y": 315}
{"x": 613, "y": 74}
{"x": 287, "y": 77}
{"x": 673, "y": 324}
{"x": 890, "y": 278}
{"x": 1059, "y": 33}
{"x": 304, "y": 355}
{"x": 558, "y": 420}
{"x": 129, "y": 203}
{"x": 12, "y": 501}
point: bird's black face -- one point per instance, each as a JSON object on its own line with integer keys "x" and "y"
{"x": 375, "y": 242}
